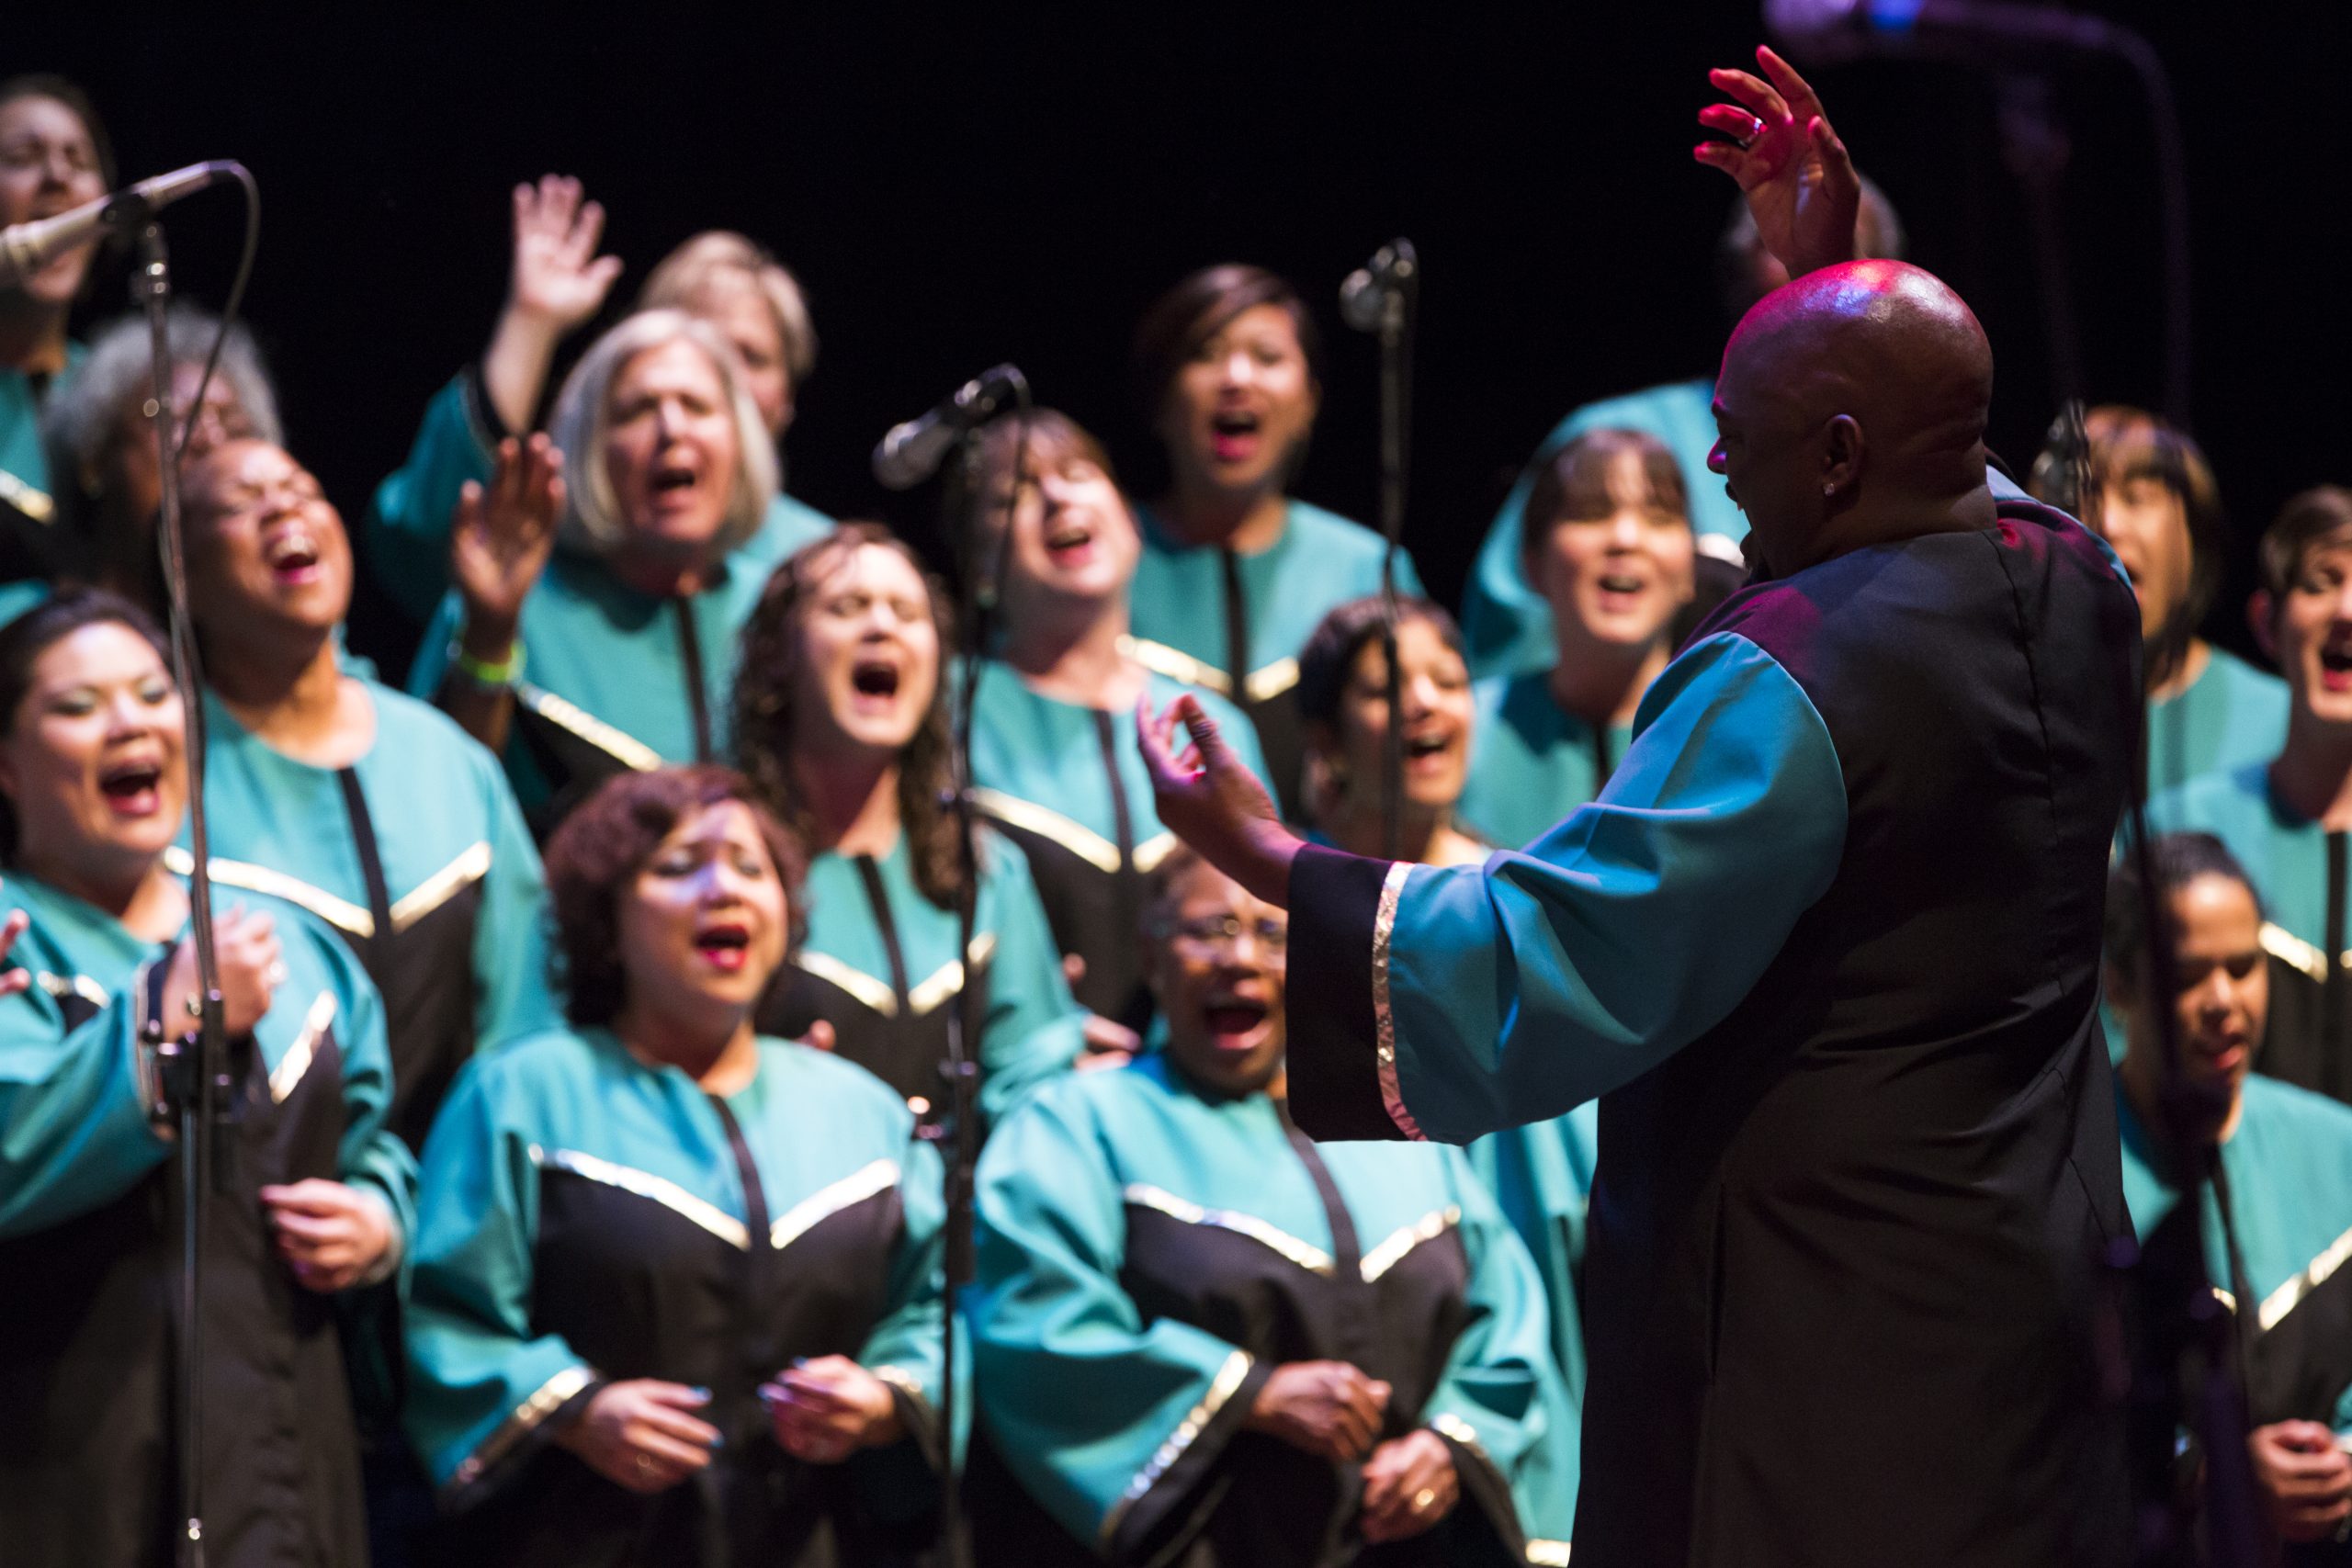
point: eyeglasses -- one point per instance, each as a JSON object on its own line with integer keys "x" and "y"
{"x": 1222, "y": 933}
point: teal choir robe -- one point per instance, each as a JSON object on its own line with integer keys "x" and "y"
{"x": 1148, "y": 1253}
{"x": 613, "y": 679}
{"x": 1236, "y": 624}
{"x": 416, "y": 854}
{"x": 587, "y": 1218}
{"x": 879, "y": 964}
{"x": 1531, "y": 761}
{"x": 2231, "y": 715}
{"x": 1068, "y": 784}
{"x": 90, "y": 1248}
{"x": 2299, "y": 868}
{"x": 1504, "y": 622}
{"x": 407, "y": 526}
{"x": 2289, "y": 1170}
{"x": 30, "y": 547}
{"x": 1834, "y": 972}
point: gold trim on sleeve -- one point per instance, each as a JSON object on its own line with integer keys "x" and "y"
{"x": 1229, "y": 1378}
{"x": 1176, "y": 664}
{"x": 1541, "y": 1553}
{"x": 34, "y": 503}
{"x": 874, "y": 995}
{"x": 905, "y": 1381}
{"x": 471, "y": 866}
{"x": 1263, "y": 685}
{"x": 1314, "y": 1259}
{"x": 827, "y": 1202}
{"x": 948, "y": 978}
{"x": 644, "y": 1184}
{"x": 2289, "y": 1296}
{"x": 64, "y": 986}
{"x": 2289, "y": 948}
{"x": 1384, "y": 926}
{"x": 544, "y": 1401}
{"x": 617, "y": 744}
{"x": 335, "y": 911}
{"x": 1154, "y": 849}
{"x": 1031, "y": 818}
{"x": 297, "y": 1060}
{"x": 1392, "y": 1251}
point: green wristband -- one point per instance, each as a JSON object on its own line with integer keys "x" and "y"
{"x": 489, "y": 677}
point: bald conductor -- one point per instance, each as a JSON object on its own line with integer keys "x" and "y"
{"x": 1826, "y": 950}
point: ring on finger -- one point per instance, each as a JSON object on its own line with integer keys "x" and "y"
{"x": 1425, "y": 1499}
{"x": 276, "y": 974}
{"x": 644, "y": 1468}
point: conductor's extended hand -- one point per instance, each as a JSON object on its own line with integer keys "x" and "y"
{"x": 1210, "y": 799}
{"x": 1801, "y": 185}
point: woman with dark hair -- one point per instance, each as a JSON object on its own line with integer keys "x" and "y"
{"x": 1235, "y": 572}
{"x": 2159, "y": 509}
{"x": 317, "y": 1192}
{"x": 1054, "y": 756}
{"x": 1200, "y": 1338}
{"x": 557, "y": 285}
{"x": 595, "y": 610}
{"x": 2286, "y": 1155}
{"x": 840, "y": 720}
{"x": 676, "y": 1296}
{"x": 1541, "y": 1175}
{"x": 53, "y": 157}
{"x": 1608, "y": 546}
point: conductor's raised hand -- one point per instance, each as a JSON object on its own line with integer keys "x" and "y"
{"x": 1801, "y": 185}
{"x": 1209, "y": 798}
{"x": 500, "y": 538}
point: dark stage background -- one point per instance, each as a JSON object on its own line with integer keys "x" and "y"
{"x": 958, "y": 188}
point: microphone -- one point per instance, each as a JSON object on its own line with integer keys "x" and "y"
{"x": 1990, "y": 32}
{"x": 1364, "y": 294}
{"x": 26, "y": 248}
{"x": 912, "y": 452}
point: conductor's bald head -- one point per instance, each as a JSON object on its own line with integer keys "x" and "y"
{"x": 1851, "y": 410}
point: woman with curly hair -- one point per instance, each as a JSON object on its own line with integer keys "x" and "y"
{"x": 841, "y": 723}
{"x": 676, "y": 1295}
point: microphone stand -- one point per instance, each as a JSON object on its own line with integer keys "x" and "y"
{"x": 1399, "y": 298}
{"x": 961, "y": 1134}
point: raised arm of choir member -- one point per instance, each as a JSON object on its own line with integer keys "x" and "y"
{"x": 556, "y": 284}
{"x": 618, "y": 656}
{"x": 677, "y": 1285}
{"x": 365, "y": 805}
{"x": 2286, "y": 1155}
{"x": 1053, "y": 757}
{"x": 100, "y": 435}
{"x": 1609, "y": 548}
{"x": 319, "y": 1192}
{"x": 841, "y": 721}
{"x": 1235, "y": 572}
{"x": 1198, "y": 1334}
{"x": 53, "y": 157}
{"x": 2285, "y": 816}
{"x": 2156, "y": 504}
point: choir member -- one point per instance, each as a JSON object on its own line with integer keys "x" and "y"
{"x": 1200, "y": 1338}
{"x": 1541, "y": 1175}
{"x": 1054, "y": 758}
{"x": 100, "y": 435}
{"x": 2286, "y": 818}
{"x": 2286, "y": 1156}
{"x": 676, "y": 1295}
{"x": 1610, "y": 551}
{"x": 556, "y": 284}
{"x": 841, "y": 718}
{"x": 314, "y": 1195}
{"x": 366, "y": 807}
{"x": 592, "y": 625}
{"x": 2158, "y": 507}
{"x": 1235, "y": 572}
{"x": 53, "y": 157}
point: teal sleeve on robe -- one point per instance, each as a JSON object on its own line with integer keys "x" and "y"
{"x": 475, "y": 1362}
{"x": 407, "y": 526}
{"x": 73, "y": 1129}
{"x": 1034, "y": 1027}
{"x": 1544, "y": 979}
{"x": 1058, "y": 1347}
{"x": 1505, "y": 623}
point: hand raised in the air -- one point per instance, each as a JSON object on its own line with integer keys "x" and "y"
{"x": 1209, "y": 798}
{"x": 500, "y": 538}
{"x": 1801, "y": 188}
{"x": 558, "y": 277}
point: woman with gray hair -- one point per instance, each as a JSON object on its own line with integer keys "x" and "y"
{"x": 557, "y": 284}
{"x": 596, "y": 608}
{"x": 103, "y": 457}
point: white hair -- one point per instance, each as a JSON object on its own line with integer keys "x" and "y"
{"x": 592, "y": 519}
{"x": 81, "y": 416}
{"x": 685, "y": 273}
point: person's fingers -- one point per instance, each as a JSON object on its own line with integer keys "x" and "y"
{"x": 677, "y": 1395}
{"x": 820, "y": 1036}
{"x": 13, "y": 981}
{"x": 310, "y": 1230}
{"x": 677, "y": 1425}
{"x": 1151, "y": 740}
{"x": 15, "y": 926}
{"x": 1753, "y": 91}
{"x": 587, "y": 228}
{"x": 312, "y": 1196}
{"x": 1380, "y": 1392}
{"x": 1732, "y": 120}
{"x": 1793, "y": 89}
{"x": 603, "y": 271}
{"x": 1733, "y": 161}
{"x": 465, "y": 518}
{"x": 682, "y": 1459}
{"x": 1836, "y": 161}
